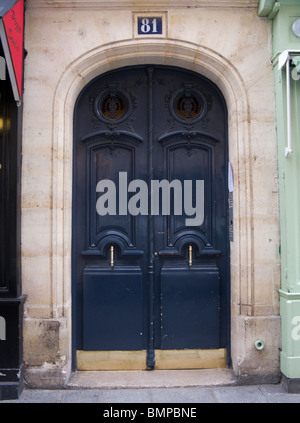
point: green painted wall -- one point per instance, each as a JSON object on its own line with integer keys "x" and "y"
{"x": 283, "y": 14}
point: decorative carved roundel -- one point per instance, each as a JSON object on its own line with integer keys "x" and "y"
{"x": 188, "y": 105}
{"x": 112, "y": 105}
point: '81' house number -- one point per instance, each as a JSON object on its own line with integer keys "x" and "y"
{"x": 149, "y": 25}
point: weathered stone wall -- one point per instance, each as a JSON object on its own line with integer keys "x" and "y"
{"x": 68, "y": 44}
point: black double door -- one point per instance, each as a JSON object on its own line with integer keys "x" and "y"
{"x": 150, "y": 230}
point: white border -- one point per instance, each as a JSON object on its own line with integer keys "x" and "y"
{"x": 162, "y": 15}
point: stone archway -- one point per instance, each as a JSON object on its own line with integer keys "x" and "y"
{"x": 115, "y": 55}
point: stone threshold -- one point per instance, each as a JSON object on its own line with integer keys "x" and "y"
{"x": 152, "y": 379}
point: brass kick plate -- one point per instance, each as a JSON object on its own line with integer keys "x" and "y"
{"x": 164, "y": 359}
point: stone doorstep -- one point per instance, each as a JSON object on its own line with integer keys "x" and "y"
{"x": 152, "y": 379}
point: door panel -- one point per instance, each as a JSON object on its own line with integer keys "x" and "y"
{"x": 106, "y": 164}
{"x": 176, "y": 155}
{"x": 112, "y": 309}
{"x": 190, "y": 308}
{"x": 166, "y": 283}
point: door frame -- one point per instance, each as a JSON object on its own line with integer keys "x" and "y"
{"x": 174, "y": 53}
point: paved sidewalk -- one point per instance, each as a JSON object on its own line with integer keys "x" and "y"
{"x": 225, "y": 394}
{"x": 164, "y": 387}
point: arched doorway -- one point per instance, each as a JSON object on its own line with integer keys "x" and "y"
{"x": 150, "y": 221}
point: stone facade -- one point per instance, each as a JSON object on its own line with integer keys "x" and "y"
{"x": 70, "y": 43}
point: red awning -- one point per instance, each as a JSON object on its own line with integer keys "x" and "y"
{"x": 11, "y": 34}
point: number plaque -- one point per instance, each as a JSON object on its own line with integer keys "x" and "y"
{"x": 149, "y": 25}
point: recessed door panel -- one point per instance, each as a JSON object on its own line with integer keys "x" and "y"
{"x": 190, "y": 308}
{"x": 106, "y": 163}
{"x": 196, "y": 184}
{"x": 112, "y": 309}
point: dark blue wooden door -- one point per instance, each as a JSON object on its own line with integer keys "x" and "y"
{"x": 150, "y": 230}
